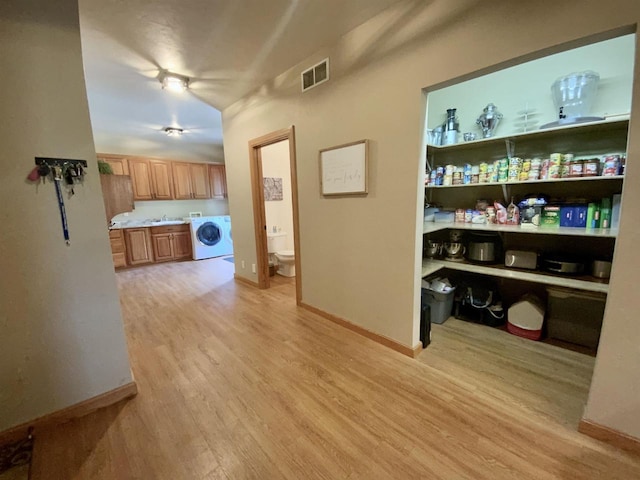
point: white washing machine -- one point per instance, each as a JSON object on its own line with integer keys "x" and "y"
{"x": 211, "y": 237}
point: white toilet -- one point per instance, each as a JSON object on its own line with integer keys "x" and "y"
{"x": 276, "y": 244}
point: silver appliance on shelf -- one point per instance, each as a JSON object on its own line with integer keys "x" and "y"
{"x": 488, "y": 120}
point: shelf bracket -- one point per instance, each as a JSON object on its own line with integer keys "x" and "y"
{"x": 506, "y": 192}
{"x": 511, "y": 147}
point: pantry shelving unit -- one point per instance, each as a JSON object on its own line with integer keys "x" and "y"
{"x": 583, "y": 140}
{"x": 431, "y": 227}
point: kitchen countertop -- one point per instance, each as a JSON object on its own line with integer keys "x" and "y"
{"x": 146, "y": 223}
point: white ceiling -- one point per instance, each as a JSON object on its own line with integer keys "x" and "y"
{"x": 227, "y": 48}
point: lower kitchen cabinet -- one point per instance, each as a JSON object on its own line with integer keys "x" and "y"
{"x": 118, "y": 250}
{"x": 172, "y": 242}
{"x": 138, "y": 245}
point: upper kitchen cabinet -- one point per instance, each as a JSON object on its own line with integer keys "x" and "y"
{"x": 140, "y": 171}
{"x": 119, "y": 164}
{"x": 152, "y": 179}
{"x": 217, "y": 175}
{"x": 161, "y": 179}
{"x": 191, "y": 180}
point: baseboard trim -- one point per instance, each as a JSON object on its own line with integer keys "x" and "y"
{"x": 609, "y": 435}
{"x": 376, "y": 337}
{"x": 69, "y": 413}
{"x": 245, "y": 280}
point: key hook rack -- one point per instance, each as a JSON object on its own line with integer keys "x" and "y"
{"x": 59, "y": 170}
{"x": 59, "y": 162}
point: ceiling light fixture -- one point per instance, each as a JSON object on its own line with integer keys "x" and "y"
{"x": 173, "y": 131}
{"x": 173, "y": 81}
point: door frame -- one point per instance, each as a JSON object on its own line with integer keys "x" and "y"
{"x": 259, "y": 216}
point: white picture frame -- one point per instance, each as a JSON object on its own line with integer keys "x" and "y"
{"x": 344, "y": 169}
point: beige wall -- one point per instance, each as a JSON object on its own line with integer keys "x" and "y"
{"x": 361, "y": 256}
{"x": 614, "y": 398}
{"x": 62, "y": 337}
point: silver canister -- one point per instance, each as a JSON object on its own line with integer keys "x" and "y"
{"x": 488, "y": 120}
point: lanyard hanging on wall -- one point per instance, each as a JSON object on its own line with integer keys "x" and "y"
{"x": 63, "y": 212}
{"x": 57, "y": 169}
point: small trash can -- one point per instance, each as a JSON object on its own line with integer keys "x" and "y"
{"x": 440, "y": 304}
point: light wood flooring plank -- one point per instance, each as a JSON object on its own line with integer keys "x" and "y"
{"x": 238, "y": 383}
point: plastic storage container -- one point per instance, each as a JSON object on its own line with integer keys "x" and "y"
{"x": 440, "y": 304}
{"x": 526, "y": 317}
{"x": 575, "y": 316}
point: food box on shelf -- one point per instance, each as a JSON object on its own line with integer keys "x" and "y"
{"x": 550, "y": 216}
{"x": 573, "y": 216}
{"x": 530, "y": 216}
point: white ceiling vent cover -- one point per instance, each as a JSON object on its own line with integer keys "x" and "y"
{"x": 315, "y": 75}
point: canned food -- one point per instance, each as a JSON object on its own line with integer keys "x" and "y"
{"x": 567, "y": 158}
{"x": 575, "y": 168}
{"x": 536, "y": 163}
{"x": 610, "y": 165}
{"x": 533, "y": 175}
{"x": 544, "y": 169}
{"x": 457, "y": 178}
{"x": 447, "y": 180}
{"x": 513, "y": 173}
{"x": 526, "y": 165}
{"x": 515, "y": 162}
{"x": 459, "y": 215}
{"x": 523, "y": 177}
{"x": 501, "y": 175}
{"x": 503, "y": 163}
{"x": 564, "y": 170}
{"x": 483, "y": 167}
{"x": 449, "y": 169}
{"x": 555, "y": 159}
{"x": 590, "y": 167}
{"x": 554, "y": 171}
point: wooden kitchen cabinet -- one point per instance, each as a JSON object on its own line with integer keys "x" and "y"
{"x": 181, "y": 181}
{"x": 152, "y": 179}
{"x": 117, "y": 194}
{"x": 138, "y": 246}
{"x": 118, "y": 249}
{"x": 140, "y": 171}
{"x": 161, "y": 179}
{"x": 218, "y": 179}
{"x": 200, "y": 187}
{"x": 191, "y": 180}
{"x": 171, "y": 242}
{"x": 119, "y": 164}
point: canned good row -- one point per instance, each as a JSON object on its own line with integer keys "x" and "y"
{"x": 516, "y": 169}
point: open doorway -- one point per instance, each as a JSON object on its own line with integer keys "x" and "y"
{"x": 523, "y": 117}
{"x": 275, "y": 207}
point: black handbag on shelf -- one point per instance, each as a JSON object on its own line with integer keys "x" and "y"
{"x": 479, "y": 304}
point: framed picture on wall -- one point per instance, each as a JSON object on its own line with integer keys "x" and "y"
{"x": 343, "y": 169}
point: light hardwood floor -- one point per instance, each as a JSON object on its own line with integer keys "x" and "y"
{"x": 238, "y": 383}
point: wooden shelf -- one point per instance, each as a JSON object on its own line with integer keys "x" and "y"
{"x": 430, "y": 266}
{"x": 532, "y": 182}
{"x": 431, "y": 227}
{"x": 599, "y": 127}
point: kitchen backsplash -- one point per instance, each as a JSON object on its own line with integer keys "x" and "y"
{"x": 174, "y": 208}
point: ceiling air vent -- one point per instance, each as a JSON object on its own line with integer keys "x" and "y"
{"x": 315, "y": 75}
